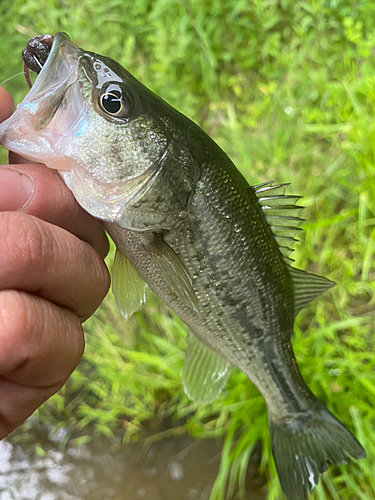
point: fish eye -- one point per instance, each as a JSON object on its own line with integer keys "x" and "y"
{"x": 113, "y": 101}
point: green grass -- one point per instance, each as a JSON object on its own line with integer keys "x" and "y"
{"x": 288, "y": 90}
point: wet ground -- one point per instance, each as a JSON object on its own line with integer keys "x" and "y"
{"x": 173, "y": 469}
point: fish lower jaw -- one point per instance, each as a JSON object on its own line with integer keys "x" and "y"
{"x": 16, "y": 138}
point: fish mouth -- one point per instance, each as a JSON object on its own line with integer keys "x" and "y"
{"x": 38, "y": 109}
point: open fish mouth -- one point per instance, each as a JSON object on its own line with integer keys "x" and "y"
{"x": 58, "y": 74}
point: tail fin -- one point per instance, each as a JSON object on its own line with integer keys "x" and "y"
{"x": 305, "y": 446}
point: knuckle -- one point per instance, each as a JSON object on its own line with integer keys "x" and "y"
{"x": 15, "y": 331}
{"x": 41, "y": 343}
{"x": 25, "y": 242}
{"x": 50, "y": 262}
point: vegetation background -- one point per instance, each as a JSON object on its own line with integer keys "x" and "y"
{"x": 288, "y": 91}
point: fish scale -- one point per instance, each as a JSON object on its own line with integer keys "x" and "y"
{"x": 186, "y": 223}
{"x": 243, "y": 322}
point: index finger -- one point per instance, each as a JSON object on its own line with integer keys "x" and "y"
{"x": 7, "y": 106}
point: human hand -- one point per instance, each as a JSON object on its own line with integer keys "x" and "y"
{"x": 52, "y": 278}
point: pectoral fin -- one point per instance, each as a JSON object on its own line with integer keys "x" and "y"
{"x": 128, "y": 287}
{"x": 205, "y": 372}
{"x": 173, "y": 271}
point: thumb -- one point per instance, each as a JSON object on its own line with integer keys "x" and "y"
{"x": 16, "y": 189}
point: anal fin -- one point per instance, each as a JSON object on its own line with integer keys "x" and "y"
{"x": 205, "y": 372}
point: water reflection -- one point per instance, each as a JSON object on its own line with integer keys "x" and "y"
{"x": 173, "y": 469}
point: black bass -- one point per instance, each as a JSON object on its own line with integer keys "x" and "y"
{"x": 186, "y": 222}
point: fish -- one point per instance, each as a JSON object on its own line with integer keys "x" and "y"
{"x": 187, "y": 224}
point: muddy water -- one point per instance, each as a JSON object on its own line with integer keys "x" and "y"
{"x": 173, "y": 469}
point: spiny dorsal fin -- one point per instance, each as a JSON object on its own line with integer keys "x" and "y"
{"x": 128, "y": 287}
{"x": 307, "y": 287}
{"x": 205, "y": 372}
{"x": 282, "y": 214}
{"x": 173, "y": 271}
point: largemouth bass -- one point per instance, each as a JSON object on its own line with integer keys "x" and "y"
{"x": 186, "y": 222}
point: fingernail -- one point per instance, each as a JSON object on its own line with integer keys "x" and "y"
{"x": 16, "y": 189}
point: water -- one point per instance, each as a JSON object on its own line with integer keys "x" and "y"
{"x": 172, "y": 469}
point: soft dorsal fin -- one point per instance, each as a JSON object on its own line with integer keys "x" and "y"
{"x": 282, "y": 214}
{"x": 205, "y": 372}
{"x": 307, "y": 287}
{"x": 128, "y": 287}
{"x": 173, "y": 271}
